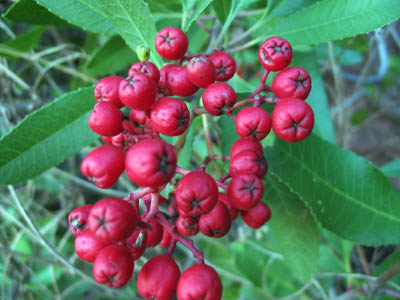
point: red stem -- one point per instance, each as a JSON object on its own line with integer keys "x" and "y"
{"x": 182, "y": 171}
{"x": 153, "y": 207}
{"x": 261, "y": 86}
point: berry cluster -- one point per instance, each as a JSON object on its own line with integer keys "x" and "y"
{"x": 114, "y": 232}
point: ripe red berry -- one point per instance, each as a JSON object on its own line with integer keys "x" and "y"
{"x": 248, "y": 162}
{"x": 253, "y": 122}
{"x": 170, "y": 116}
{"x": 138, "y": 91}
{"x": 158, "y": 278}
{"x": 171, "y": 43}
{"x": 77, "y": 219}
{"x": 107, "y": 90}
{"x": 166, "y": 238}
{"x": 232, "y": 210}
{"x": 217, "y": 222}
{"x": 163, "y": 82}
{"x": 243, "y": 144}
{"x": 137, "y": 242}
{"x": 87, "y": 246}
{"x": 201, "y": 71}
{"x": 275, "y": 54}
{"x": 218, "y": 98}
{"x": 113, "y": 266}
{"x": 196, "y": 194}
{"x": 147, "y": 68}
{"x": 257, "y": 216}
{"x": 188, "y": 226}
{"x": 140, "y": 120}
{"x": 104, "y": 165}
{"x": 155, "y": 234}
{"x": 150, "y": 162}
{"x": 106, "y": 119}
{"x": 199, "y": 281}
{"x": 292, "y": 119}
{"x": 112, "y": 220}
{"x": 225, "y": 65}
{"x": 179, "y": 83}
{"x": 245, "y": 191}
{"x": 292, "y": 82}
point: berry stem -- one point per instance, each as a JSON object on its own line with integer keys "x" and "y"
{"x": 182, "y": 171}
{"x": 222, "y": 185}
{"x": 224, "y": 178}
{"x": 172, "y": 246}
{"x": 153, "y": 207}
{"x": 261, "y": 86}
{"x": 179, "y": 238}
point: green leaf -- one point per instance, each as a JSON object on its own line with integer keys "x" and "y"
{"x": 317, "y": 99}
{"x": 294, "y": 229}
{"x": 47, "y": 137}
{"x": 29, "y": 12}
{"x": 85, "y": 14}
{"x": 286, "y": 7}
{"x": 191, "y": 13}
{"x": 111, "y": 57}
{"x": 330, "y": 20}
{"x": 346, "y": 193}
{"x": 228, "y": 134}
{"x": 134, "y": 22}
{"x": 221, "y": 8}
{"x": 26, "y": 41}
{"x": 185, "y": 156}
{"x": 392, "y": 169}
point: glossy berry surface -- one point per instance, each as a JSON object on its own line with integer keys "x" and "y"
{"x": 87, "y": 246}
{"x": 154, "y": 234}
{"x": 225, "y": 65}
{"x": 292, "y": 119}
{"x": 112, "y": 220}
{"x": 107, "y": 90}
{"x": 257, "y": 216}
{"x": 147, "y": 68}
{"x": 150, "y": 162}
{"x": 217, "y": 222}
{"x": 253, "y": 122}
{"x": 178, "y": 82}
{"x": 140, "y": 121}
{"x": 248, "y": 162}
{"x": 158, "y": 278}
{"x": 170, "y": 116}
{"x": 137, "y": 242}
{"x": 292, "y": 82}
{"x": 138, "y": 91}
{"x": 245, "y": 191}
{"x": 201, "y": 71}
{"x": 113, "y": 266}
{"x": 232, "y": 210}
{"x": 275, "y": 54}
{"x": 104, "y": 165}
{"x": 188, "y": 226}
{"x": 106, "y": 119}
{"x": 243, "y": 144}
{"x": 218, "y": 98}
{"x": 171, "y": 43}
{"x": 77, "y": 219}
{"x": 199, "y": 281}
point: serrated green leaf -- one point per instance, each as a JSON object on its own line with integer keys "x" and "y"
{"x": 111, "y": 57}
{"x": 330, "y": 20}
{"x": 29, "y": 12}
{"x": 392, "y": 169}
{"x": 26, "y": 41}
{"x": 134, "y": 22}
{"x": 47, "y": 137}
{"x": 221, "y": 8}
{"x": 347, "y": 194}
{"x": 286, "y": 7}
{"x": 191, "y": 11}
{"x": 294, "y": 229}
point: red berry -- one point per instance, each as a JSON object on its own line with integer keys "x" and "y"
{"x": 112, "y": 220}
{"x": 196, "y": 194}
{"x": 245, "y": 191}
{"x": 150, "y": 162}
{"x": 138, "y": 91}
{"x": 248, "y": 162}
{"x": 87, "y": 246}
{"x": 141, "y": 123}
{"x": 104, "y": 165}
{"x": 275, "y": 54}
{"x": 171, "y": 43}
{"x": 253, "y": 122}
{"x": 179, "y": 83}
{"x": 170, "y": 116}
{"x": 106, "y": 119}
{"x": 147, "y": 68}
{"x": 137, "y": 243}
{"x": 218, "y": 98}
{"x": 199, "y": 281}
{"x": 188, "y": 226}
{"x": 107, "y": 90}
{"x": 201, "y": 71}
{"x": 217, "y": 222}
{"x": 163, "y": 82}
{"x": 292, "y": 82}
{"x": 225, "y": 65}
{"x": 113, "y": 266}
{"x": 158, "y": 278}
{"x": 155, "y": 234}
{"x": 257, "y": 216}
{"x": 243, "y": 144}
{"x": 292, "y": 119}
{"x": 166, "y": 238}
{"x": 232, "y": 210}
{"x": 77, "y": 219}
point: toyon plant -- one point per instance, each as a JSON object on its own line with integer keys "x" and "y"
{"x": 208, "y": 164}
